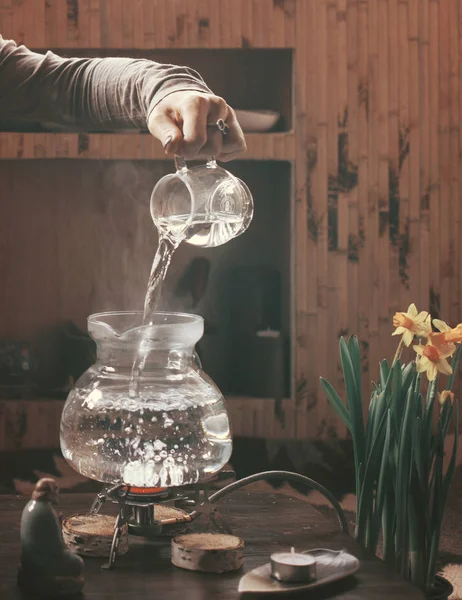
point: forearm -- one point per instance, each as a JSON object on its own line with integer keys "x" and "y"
{"x": 107, "y": 92}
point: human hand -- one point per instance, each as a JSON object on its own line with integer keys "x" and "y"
{"x": 185, "y": 124}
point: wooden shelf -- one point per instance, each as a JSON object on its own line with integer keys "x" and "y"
{"x": 126, "y": 146}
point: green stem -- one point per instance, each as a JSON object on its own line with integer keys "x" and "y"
{"x": 398, "y": 352}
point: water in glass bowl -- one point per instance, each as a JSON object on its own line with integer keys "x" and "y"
{"x": 163, "y": 438}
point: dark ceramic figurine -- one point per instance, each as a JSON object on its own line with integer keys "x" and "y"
{"x": 47, "y": 569}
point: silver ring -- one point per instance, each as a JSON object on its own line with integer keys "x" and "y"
{"x": 221, "y": 126}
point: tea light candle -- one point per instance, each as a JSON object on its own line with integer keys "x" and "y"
{"x": 293, "y": 567}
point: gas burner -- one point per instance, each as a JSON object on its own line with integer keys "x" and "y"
{"x": 137, "y": 506}
{"x": 140, "y": 494}
{"x": 153, "y": 512}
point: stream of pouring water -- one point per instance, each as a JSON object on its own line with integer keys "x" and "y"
{"x": 165, "y": 250}
{"x": 204, "y": 232}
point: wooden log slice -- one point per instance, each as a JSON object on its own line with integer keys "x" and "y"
{"x": 91, "y": 535}
{"x": 208, "y": 552}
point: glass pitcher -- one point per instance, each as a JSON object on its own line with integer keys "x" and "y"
{"x": 175, "y": 432}
{"x": 205, "y": 206}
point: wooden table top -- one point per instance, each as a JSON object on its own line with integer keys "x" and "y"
{"x": 267, "y": 522}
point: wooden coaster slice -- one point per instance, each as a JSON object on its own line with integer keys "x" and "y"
{"x": 208, "y": 552}
{"x": 91, "y": 535}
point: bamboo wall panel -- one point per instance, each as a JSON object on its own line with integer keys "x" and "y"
{"x": 379, "y": 179}
{"x": 129, "y": 146}
{"x": 376, "y": 149}
{"x": 150, "y": 23}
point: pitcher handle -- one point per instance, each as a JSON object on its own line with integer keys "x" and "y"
{"x": 180, "y": 163}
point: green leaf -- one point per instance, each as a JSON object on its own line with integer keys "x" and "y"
{"x": 417, "y": 550}
{"x": 408, "y": 377}
{"x": 382, "y": 485}
{"x": 419, "y": 459}
{"x": 436, "y": 512}
{"x": 396, "y": 402}
{"x": 417, "y": 386}
{"x": 388, "y": 524}
{"x": 452, "y": 463}
{"x": 382, "y": 404}
{"x": 384, "y": 373}
{"x": 455, "y": 367}
{"x": 430, "y": 400}
{"x": 355, "y": 355}
{"x": 420, "y": 405}
{"x": 427, "y": 425}
{"x": 440, "y": 485}
{"x": 370, "y": 420}
{"x": 421, "y": 495}
{"x": 433, "y": 553}
{"x": 408, "y": 373}
{"x": 403, "y": 478}
{"x": 445, "y": 419}
{"x": 353, "y": 386}
{"x": 336, "y": 403}
{"x": 397, "y": 380}
{"x": 366, "y": 495}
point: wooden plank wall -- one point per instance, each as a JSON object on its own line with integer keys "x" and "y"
{"x": 379, "y": 212}
{"x": 377, "y": 106}
{"x": 149, "y": 23}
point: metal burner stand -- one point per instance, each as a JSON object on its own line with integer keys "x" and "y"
{"x": 138, "y": 510}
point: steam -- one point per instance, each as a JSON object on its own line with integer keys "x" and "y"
{"x": 121, "y": 191}
{"x": 128, "y": 237}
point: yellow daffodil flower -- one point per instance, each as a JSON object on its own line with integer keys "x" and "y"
{"x": 439, "y": 340}
{"x": 446, "y": 395}
{"x": 441, "y": 325}
{"x": 433, "y": 360}
{"x": 454, "y": 335}
{"x": 450, "y": 335}
{"x": 411, "y": 323}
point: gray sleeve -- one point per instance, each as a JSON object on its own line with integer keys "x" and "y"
{"x": 86, "y": 92}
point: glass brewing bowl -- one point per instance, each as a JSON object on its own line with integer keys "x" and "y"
{"x": 175, "y": 432}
